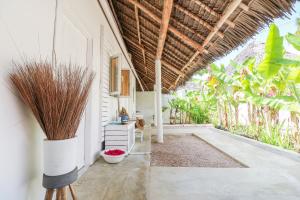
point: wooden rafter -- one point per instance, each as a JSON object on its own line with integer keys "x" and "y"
{"x": 167, "y": 52}
{"x": 139, "y": 61}
{"x": 150, "y": 78}
{"x": 153, "y": 34}
{"x": 165, "y": 82}
{"x": 168, "y": 65}
{"x": 211, "y": 11}
{"x": 244, "y": 7}
{"x": 198, "y": 19}
{"x": 115, "y": 15}
{"x": 174, "y": 85}
{"x": 228, "y": 11}
{"x": 183, "y": 37}
{"x": 166, "y": 15}
{"x": 189, "y": 29}
{"x": 144, "y": 83}
{"x": 136, "y": 12}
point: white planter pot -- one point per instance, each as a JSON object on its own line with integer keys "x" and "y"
{"x": 60, "y": 156}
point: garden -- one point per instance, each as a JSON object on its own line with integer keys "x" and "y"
{"x": 266, "y": 93}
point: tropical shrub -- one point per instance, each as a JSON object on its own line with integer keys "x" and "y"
{"x": 188, "y": 109}
{"x": 267, "y": 87}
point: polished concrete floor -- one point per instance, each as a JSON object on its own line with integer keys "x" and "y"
{"x": 127, "y": 180}
{"x": 273, "y": 174}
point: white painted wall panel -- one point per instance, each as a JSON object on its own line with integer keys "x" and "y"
{"x": 146, "y": 105}
{"x": 26, "y": 29}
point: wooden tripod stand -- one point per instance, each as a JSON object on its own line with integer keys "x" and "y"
{"x": 61, "y": 193}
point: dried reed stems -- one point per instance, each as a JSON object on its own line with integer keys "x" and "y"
{"x": 57, "y": 96}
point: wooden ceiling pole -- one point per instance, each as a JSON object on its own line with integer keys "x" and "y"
{"x": 151, "y": 73}
{"x": 189, "y": 29}
{"x": 115, "y": 16}
{"x": 228, "y": 11}
{"x": 214, "y": 13}
{"x": 168, "y": 65}
{"x": 244, "y": 7}
{"x": 166, "y": 15}
{"x": 136, "y": 11}
{"x": 174, "y": 85}
{"x": 146, "y": 38}
{"x": 144, "y": 84}
{"x": 183, "y": 37}
{"x": 198, "y": 19}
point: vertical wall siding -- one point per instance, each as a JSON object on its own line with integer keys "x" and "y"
{"x": 105, "y": 101}
{"x": 26, "y": 29}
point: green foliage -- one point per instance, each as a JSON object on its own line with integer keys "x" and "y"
{"x": 277, "y": 137}
{"x": 294, "y": 40}
{"x": 189, "y": 108}
{"x": 267, "y": 87}
{"x": 273, "y": 52}
{"x": 199, "y": 114}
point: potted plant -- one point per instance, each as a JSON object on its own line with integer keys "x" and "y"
{"x": 57, "y": 96}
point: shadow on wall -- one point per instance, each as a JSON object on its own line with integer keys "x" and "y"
{"x": 22, "y": 153}
{"x": 35, "y": 155}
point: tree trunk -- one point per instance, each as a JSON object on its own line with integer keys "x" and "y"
{"x": 230, "y": 115}
{"x": 265, "y": 113}
{"x": 249, "y": 121}
{"x": 225, "y": 116}
{"x": 175, "y": 117}
{"x": 171, "y": 110}
{"x": 236, "y": 110}
{"x": 219, "y": 114}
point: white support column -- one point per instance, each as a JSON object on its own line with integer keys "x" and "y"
{"x": 155, "y": 106}
{"x": 160, "y": 134}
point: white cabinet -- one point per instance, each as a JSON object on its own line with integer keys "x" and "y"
{"x": 120, "y": 136}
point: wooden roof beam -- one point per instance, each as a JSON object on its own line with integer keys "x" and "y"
{"x": 228, "y": 11}
{"x": 145, "y": 85}
{"x": 211, "y": 11}
{"x": 168, "y": 52}
{"x": 152, "y": 34}
{"x": 189, "y": 29}
{"x": 173, "y": 69}
{"x": 136, "y": 12}
{"x": 244, "y": 7}
{"x": 115, "y": 16}
{"x": 198, "y": 19}
{"x": 183, "y": 37}
{"x": 166, "y": 15}
{"x": 150, "y": 78}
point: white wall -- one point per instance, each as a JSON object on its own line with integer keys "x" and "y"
{"x": 26, "y": 29}
{"x": 165, "y": 103}
{"x": 145, "y": 104}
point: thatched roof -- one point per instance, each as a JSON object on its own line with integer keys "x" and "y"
{"x": 198, "y": 32}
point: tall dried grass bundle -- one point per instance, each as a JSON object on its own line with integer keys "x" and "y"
{"x": 57, "y": 96}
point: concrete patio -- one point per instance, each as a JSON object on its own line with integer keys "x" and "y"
{"x": 272, "y": 174}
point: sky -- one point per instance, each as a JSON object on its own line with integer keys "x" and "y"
{"x": 285, "y": 25}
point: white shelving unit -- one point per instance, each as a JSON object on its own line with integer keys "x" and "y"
{"x": 120, "y": 136}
